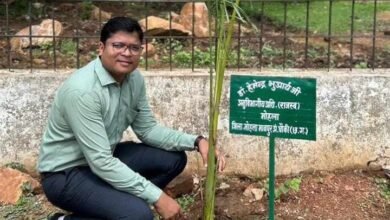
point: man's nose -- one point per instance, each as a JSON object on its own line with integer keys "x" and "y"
{"x": 127, "y": 52}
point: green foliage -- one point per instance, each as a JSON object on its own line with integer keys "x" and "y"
{"x": 384, "y": 187}
{"x": 319, "y": 15}
{"x": 225, "y": 12}
{"x": 271, "y": 52}
{"x": 185, "y": 202}
{"x": 24, "y": 205}
{"x": 17, "y": 8}
{"x": 361, "y": 65}
{"x": 86, "y": 9}
{"x": 314, "y": 52}
{"x": 16, "y": 166}
{"x": 21, "y": 8}
{"x": 68, "y": 47}
{"x": 285, "y": 188}
{"x": 47, "y": 46}
{"x": 245, "y": 57}
{"x": 27, "y": 188}
{"x": 182, "y": 57}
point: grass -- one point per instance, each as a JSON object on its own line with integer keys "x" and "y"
{"x": 182, "y": 56}
{"x": 185, "y": 202}
{"x": 27, "y": 207}
{"x": 16, "y": 166}
{"x": 17, "y": 9}
{"x": 68, "y": 47}
{"x": 86, "y": 9}
{"x": 384, "y": 187}
{"x": 319, "y": 15}
{"x": 284, "y": 189}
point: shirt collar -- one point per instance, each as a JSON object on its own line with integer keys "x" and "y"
{"x": 105, "y": 77}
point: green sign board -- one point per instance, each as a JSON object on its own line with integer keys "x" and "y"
{"x": 273, "y": 106}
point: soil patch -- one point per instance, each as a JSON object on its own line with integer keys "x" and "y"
{"x": 322, "y": 195}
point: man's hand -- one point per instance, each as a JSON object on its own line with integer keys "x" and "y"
{"x": 204, "y": 149}
{"x": 168, "y": 208}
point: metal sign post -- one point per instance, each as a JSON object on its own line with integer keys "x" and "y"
{"x": 280, "y": 107}
{"x": 271, "y": 178}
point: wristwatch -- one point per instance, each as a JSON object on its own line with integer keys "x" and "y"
{"x": 197, "y": 141}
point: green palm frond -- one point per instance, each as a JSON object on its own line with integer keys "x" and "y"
{"x": 226, "y": 12}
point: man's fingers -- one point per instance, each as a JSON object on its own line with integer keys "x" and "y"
{"x": 221, "y": 163}
{"x": 204, "y": 157}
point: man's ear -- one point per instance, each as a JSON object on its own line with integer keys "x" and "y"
{"x": 101, "y": 48}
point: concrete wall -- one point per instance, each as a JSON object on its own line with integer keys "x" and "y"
{"x": 352, "y": 118}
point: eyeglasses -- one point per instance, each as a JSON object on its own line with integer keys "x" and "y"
{"x": 133, "y": 48}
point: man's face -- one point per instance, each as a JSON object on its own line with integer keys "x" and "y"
{"x": 121, "y": 53}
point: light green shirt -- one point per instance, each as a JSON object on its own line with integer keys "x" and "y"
{"x": 87, "y": 119}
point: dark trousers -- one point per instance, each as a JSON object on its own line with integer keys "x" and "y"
{"x": 81, "y": 192}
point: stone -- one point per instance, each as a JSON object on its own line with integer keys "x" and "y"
{"x": 105, "y": 16}
{"x": 182, "y": 184}
{"x": 175, "y": 17}
{"x": 224, "y": 186}
{"x": 257, "y": 193}
{"x": 243, "y": 30}
{"x": 38, "y": 61}
{"x": 12, "y": 183}
{"x": 247, "y": 191}
{"x": 43, "y": 29}
{"x": 200, "y": 12}
{"x": 149, "y": 49}
{"x": 160, "y": 27}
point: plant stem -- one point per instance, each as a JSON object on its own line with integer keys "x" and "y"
{"x": 223, "y": 48}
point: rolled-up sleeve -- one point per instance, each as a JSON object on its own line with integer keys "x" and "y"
{"x": 154, "y": 134}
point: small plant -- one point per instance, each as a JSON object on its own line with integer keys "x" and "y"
{"x": 313, "y": 53}
{"x": 183, "y": 58}
{"x": 86, "y": 9}
{"x": 361, "y": 65}
{"x": 68, "y": 47}
{"x": 245, "y": 57}
{"x": 284, "y": 189}
{"x": 185, "y": 202}
{"x": 271, "y": 52}
{"x": 27, "y": 188}
{"x": 24, "y": 206}
{"x": 16, "y": 166}
{"x": 384, "y": 187}
{"x": 47, "y": 46}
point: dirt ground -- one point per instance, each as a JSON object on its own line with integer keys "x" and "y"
{"x": 322, "y": 195}
{"x": 356, "y": 194}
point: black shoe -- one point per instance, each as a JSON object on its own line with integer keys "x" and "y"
{"x": 55, "y": 216}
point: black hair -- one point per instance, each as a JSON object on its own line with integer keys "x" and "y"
{"x": 116, "y": 24}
